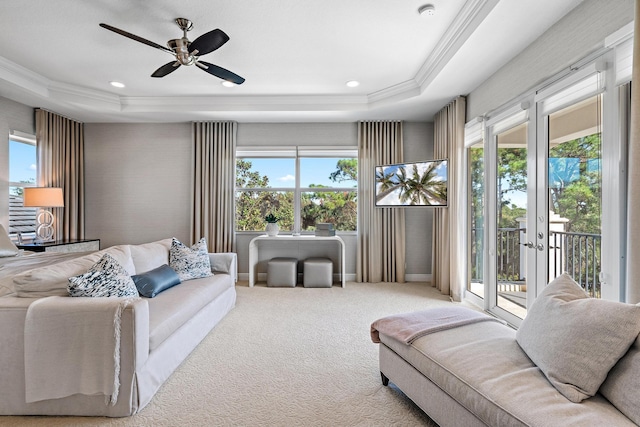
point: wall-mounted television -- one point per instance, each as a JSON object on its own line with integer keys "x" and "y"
{"x": 412, "y": 184}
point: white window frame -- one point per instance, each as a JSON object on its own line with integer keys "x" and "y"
{"x": 29, "y": 139}
{"x": 298, "y": 153}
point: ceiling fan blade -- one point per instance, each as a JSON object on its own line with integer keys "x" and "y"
{"x": 209, "y": 42}
{"x": 220, "y": 72}
{"x": 167, "y": 68}
{"x": 136, "y": 38}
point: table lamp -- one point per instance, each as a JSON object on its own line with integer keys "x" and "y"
{"x": 43, "y": 197}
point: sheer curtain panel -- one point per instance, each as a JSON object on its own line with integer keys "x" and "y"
{"x": 449, "y": 225}
{"x": 214, "y": 168}
{"x": 60, "y": 152}
{"x": 381, "y": 232}
{"x": 633, "y": 195}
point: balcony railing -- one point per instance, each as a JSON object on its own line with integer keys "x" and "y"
{"x": 575, "y": 253}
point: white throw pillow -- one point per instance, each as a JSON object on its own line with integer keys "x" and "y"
{"x": 190, "y": 263}
{"x": 576, "y": 340}
{"x": 148, "y": 256}
{"x": 7, "y": 248}
{"x": 107, "y": 278}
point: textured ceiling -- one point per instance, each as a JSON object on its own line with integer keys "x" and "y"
{"x": 296, "y": 56}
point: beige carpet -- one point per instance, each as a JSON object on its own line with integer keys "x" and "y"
{"x": 284, "y": 357}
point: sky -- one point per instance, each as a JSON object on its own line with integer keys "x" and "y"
{"x": 281, "y": 172}
{"x": 22, "y": 164}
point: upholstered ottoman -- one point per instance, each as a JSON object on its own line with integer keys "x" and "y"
{"x": 318, "y": 273}
{"x": 282, "y": 272}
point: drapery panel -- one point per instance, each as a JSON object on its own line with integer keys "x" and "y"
{"x": 381, "y": 231}
{"x": 60, "y": 153}
{"x": 633, "y": 195}
{"x": 213, "y": 213}
{"x": 449, "y": 225}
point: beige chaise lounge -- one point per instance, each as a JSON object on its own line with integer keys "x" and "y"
{"x": 477, "y": 374}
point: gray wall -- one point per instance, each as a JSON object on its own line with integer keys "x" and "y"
{"x": 13, "y": 116}
{"x": 139, "y": 181}
{"x": 579, "y": 33}
{"x": 418, "y": 145}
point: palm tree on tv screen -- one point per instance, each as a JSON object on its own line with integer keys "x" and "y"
{"x": 418, "y": 188}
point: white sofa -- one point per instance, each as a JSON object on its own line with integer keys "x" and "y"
{"x": 478, "y": 374}
{"x": 157, "y": 334}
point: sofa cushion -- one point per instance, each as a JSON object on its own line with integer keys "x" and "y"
{"x": 152, "y": 282}
{"x": 166, "y": 316}
{"x": 190, "y": 263}
{"x": 622, "y": 386}
{"x": 53, "y": 279}
{"x": 7, "y": 248}
{"x": 106, "y": 278}
{"x": 590, "y": 334}
{"x": 151, "y": 255}
{"x": 482, "y": 367}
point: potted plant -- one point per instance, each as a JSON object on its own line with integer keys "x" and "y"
{"x": 272, "y": 224}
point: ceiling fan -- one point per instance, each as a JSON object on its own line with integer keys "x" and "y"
{"x": 187, "y": 52}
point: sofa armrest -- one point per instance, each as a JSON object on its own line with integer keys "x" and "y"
{"x": 225, "y": 262}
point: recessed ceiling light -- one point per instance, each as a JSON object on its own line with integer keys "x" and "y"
{"x": 117, "y": 84}
{"x": 353, "y": 83}
{"x": 427, "y": 9}
{"x": 227, "y": 83}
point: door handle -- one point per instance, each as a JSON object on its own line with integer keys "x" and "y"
{"x": 530, "y": 245}
{"x": 540, "y": 247}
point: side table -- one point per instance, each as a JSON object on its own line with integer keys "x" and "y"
{"x": 73, "y": 245}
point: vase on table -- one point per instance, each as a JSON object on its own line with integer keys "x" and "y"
{"x": 272, "y": 229}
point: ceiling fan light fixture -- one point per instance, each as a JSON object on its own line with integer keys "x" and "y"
{"x": 427, "y": 9}
{"x": 353, "y": 83}
{"x": 227, "y": 83}
{"x": 119, "y": 85}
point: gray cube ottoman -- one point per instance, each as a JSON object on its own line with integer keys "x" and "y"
{"x": 318, "y": 273}
{"x": 282, "y": 272}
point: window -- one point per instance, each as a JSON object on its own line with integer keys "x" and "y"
{"x": 300, "y": 185}
{"x": 22, "y": 173}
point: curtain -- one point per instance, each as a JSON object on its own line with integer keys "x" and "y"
{"x": 213, "y": 215}
{"x": 449, "y": 225}
{"x": 633, "y": 195}
{"x": 60, "y": 152}
{"x": 381, "y": 232}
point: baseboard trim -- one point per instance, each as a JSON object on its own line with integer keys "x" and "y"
{"x": 350, "y": 277}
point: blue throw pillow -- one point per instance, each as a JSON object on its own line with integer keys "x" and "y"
{"x": 153, "y": 282}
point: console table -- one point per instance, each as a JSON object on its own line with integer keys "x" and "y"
{"x": 73, "y": 245}
{"x": 291, "y": 241}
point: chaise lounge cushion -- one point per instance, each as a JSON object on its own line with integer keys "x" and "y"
{"x": 590, "y": 334}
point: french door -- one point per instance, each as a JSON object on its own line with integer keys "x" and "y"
{"x": 535, "y": 190}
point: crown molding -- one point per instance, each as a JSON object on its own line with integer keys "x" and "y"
{"x": 24, "y": 78}
{"x": 400, "y": 91}
{"x": 84, "y": 96}
{"x": 465, "y": 23}
{"x": 244, "y": 103}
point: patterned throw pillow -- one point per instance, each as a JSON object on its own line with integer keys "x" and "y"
{"x": 190, "y": 263}
{"x": 106, "y": 278}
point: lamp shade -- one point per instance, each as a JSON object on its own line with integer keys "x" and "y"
{"x": 43, "y": 197}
